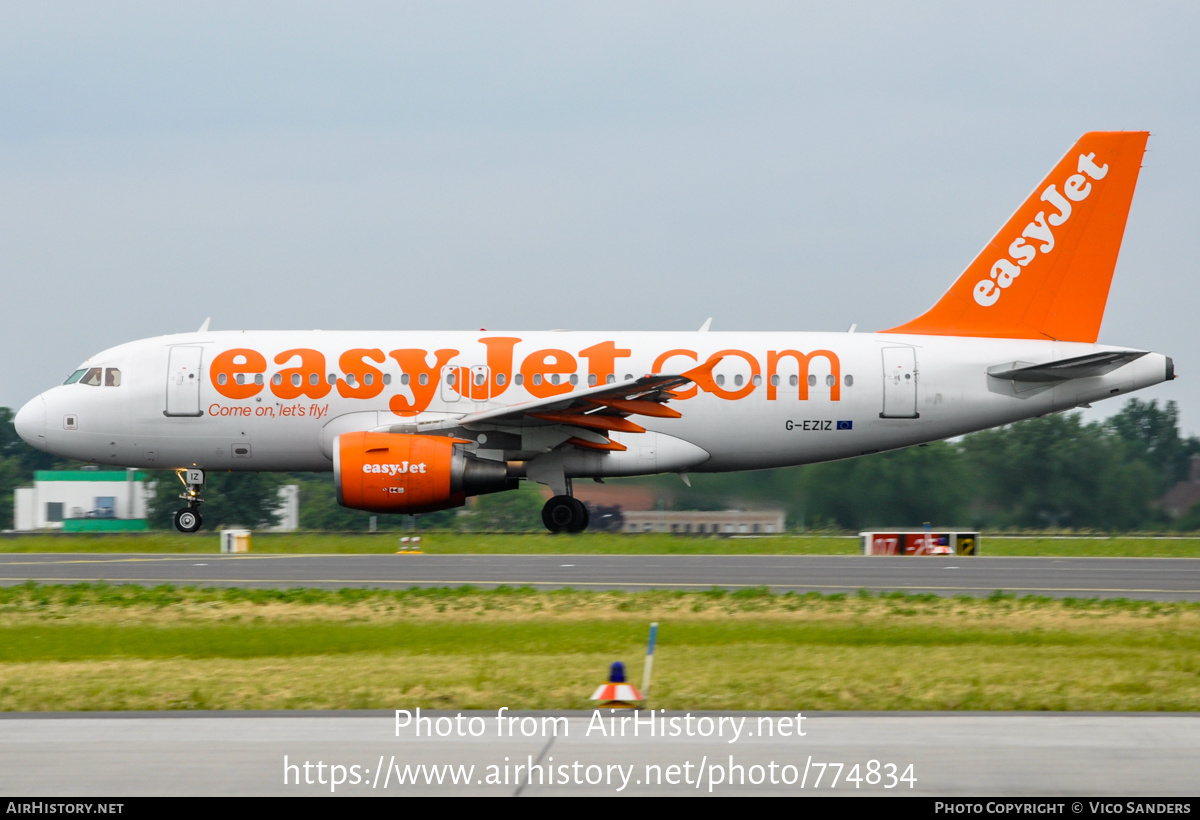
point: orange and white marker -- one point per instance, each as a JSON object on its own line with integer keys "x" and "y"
{"x": 617, "y": 693}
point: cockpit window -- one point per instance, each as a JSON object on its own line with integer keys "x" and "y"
{"x": 95, "y": 376}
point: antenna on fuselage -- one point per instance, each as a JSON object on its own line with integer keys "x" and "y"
{"x": 707, "y": 324}
{"x": 204, "y": 327}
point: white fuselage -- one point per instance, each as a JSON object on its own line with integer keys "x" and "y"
{"x": 779, "y": 398}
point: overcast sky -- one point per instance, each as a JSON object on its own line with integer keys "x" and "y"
{"x": 777, "y": 166}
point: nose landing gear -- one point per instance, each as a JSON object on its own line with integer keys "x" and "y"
{"x": 188, "y": 519}
{"x": 564, "y": 513}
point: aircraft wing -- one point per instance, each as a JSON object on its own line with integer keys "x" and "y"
{"x": 593, "y": 411}
{"x": 1077, "y": 367}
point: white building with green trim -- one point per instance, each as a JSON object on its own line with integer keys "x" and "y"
{"x": 82, "y": 501}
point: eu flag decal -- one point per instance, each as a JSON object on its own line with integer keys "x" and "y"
{"x": 845, "y": 425}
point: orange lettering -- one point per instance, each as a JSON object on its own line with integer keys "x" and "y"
{"x": 661, "y": 360}
{"x": 547, "y": 363}
{"x": 353, "y": 363}
{"x": 499, "y": 362}
{"x": 423, "y": 379}
{"x": 602, "y": 360}
{"x": 802, "y": 360}
{"x": 499, "y": 365}
{"x": 747, "y": 389}
{"x": 308, "y": 379}
{"x": 227, "y": 365}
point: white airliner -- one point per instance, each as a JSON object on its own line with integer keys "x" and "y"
{"x": 413, "y": 422}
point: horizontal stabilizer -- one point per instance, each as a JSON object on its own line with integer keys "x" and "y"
{"x": 1078, "y": 367}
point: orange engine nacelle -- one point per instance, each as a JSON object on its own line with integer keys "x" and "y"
{"x": 400, "y": 473}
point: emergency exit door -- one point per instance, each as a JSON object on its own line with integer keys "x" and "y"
{"x": 466, "y": 382}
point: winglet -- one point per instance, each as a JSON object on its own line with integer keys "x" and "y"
{"x": 702, "y": 375}
{"x": 1046, "y": 274}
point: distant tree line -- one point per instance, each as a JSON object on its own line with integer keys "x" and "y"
{"x": 1053, "y": 472}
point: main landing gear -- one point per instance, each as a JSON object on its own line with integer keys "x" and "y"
{"x": 188, "y": 519}
{"x": 563, "y": 513}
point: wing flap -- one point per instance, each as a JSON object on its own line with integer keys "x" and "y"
{"x": 593, "y": 411}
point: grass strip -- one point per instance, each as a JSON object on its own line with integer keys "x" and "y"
{"x": 86, "y": 647}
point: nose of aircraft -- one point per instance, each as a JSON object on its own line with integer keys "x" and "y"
{"x": 30, "y": 422}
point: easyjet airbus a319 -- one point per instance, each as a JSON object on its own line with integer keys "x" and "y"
{"x": 411, "y": 422}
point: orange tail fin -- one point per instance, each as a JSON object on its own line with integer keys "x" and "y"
{"x": 1046, "y": 274}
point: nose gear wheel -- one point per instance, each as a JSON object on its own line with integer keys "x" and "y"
{"x": 188, "y": 519}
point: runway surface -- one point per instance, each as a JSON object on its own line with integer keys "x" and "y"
{"x": 941, "y": 755}
{"x": 1142, "y": 578}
